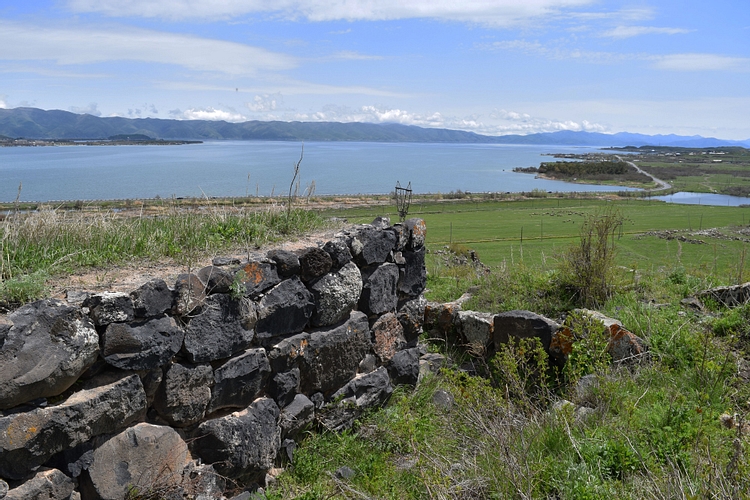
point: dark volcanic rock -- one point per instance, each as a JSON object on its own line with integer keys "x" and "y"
{"x": 142, "y": 345}
{"x": 284, "y": 386}
{"x": 411, "y": 315}
{"x": 332, "y": 356}
{"x": 110, "y": 307}
{"x": 287, "y": 263}
{"x": 29, "y": 439}
{"x": 524, "y": 324}
{"x": 144, "y": 457}
{"x": 376, "y": 245}
{"x": 184, "y": 394}
{"x": 189, "y": 294}
{"x": 314, "y": 262}
{"x": 257, "y": 277}
{"x": 287, "y": 354}
{"x": 47, "y": 484}
{"x": 285, "y": 309}
{"x": 46, "y": 346}
{"x": 239, "y": 381}
{"x": 414, "y": 278}
{"x": 152, "y": 299}
{"x": 404, "y": 367}
{"x": 379, "y": 289}
{"x": 217, "y": 279}
{"x": 339, "y": 252}
{"x": 365, "y": 391}
{"x": 296, "y": 416}
{"x": 219, "y": 331}
{"x": 336, "y": 294}
{"x": 242, "y": 445}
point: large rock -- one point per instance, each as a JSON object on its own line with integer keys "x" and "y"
{"x": 728, "y": 296}
{"x": 145, "y": 457}
{"x": 414, "y": 277}
{"x": 439, "y": 319}
{"x": 524, "y": 324}
{"x": 285, "y": 309}
{"x": 296, "y": 416}
{"x": 47, "y": 484}
{"x": 379, "y": 289}
{"x": 238, "y": 382}
{"x": 217, "y": 279}
{"x": 339, "y": 252}
{"x": 336, "y": 294}
{"x": 110, "y": 307}
{"x": 411, "y": 314}
{"x": 388, "y": 337}
{"x": 287, "y": 263}
{"x": 476, "y": 329}
{"x": 332, "y": 356}
{"x": 374, "y": 245}
{"x": 219, "y": 331}
{"x": 287, "y": 353}
{"x": 184, "y": 394}
{"x": 29, "y": 439}
{"x": 189, "y": 294}
{"x": 242, "y": 445}
{"x": 314, "y": 262}
{"x": 417, "y": 233}
{"x": 284, "y": 386}
{"x": 365, "y": 391}
{"x": 403, "y": 368}
{"x": 47, "y": 345}
{"x": 142, "y": 345}
{"x": 257, "y": 277}
{"x": 152, "y": 299}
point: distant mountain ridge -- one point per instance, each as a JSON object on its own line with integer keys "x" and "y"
{"x": 33, "y": 123}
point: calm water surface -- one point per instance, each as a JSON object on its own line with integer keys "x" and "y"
{"x": 238, "y": 168}
{"x": 704, "y": 199}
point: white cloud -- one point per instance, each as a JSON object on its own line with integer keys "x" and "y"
{"x": 631, "y": 31}
{"x": 701, "y": 62}
{"x": 87, "y": 45}
{"x": 211, "y": 114}
{"x": 3, "y": 104}
{"x": 512, "y": 122}
{"x": 490, "y": 12}
{"x": 265, "y": 103}
{"x": 91, "y": 109}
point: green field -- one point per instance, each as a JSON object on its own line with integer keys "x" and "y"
{"x": 494, "y": 230}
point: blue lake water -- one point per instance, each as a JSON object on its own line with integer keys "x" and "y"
{"x": 237, "y": 168}
{"x": 704, "y": 199}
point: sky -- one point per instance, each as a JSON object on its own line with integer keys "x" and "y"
{"x": 494, "y": 67}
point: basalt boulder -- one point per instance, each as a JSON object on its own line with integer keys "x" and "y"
{"x": 142, "y": 345}
{"x": 336, "y": 294}
{"x": 219, "y": 331}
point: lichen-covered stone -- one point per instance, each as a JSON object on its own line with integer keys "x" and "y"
{"x": 189, "y": 294}
{"x": 476, "y": 328}
{"x": 47, "y": 484}
{"x": 29, "y": 439}
{"x": 388, "y": 337}
{"x": 314, "y": 262}
{"x": 144, "y": 457}
{"x": 336, "y": 294}
{"x": 184, "y": 394}
{"x": 110, "y": 307}
{"x": 339, "y": 252}
{"x": 242, "y": 445}
{"x": 46, "y": 346}
{"x": 257, "y": 277}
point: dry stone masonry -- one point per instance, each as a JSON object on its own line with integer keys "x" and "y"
{"x": 172, "y": 389}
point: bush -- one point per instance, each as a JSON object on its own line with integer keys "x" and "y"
{"x": 588, "y": 267}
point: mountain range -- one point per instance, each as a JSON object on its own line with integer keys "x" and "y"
{"x": 33, "y": 123}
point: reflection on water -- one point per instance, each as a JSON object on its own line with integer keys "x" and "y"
{"x": 704, "y": 199}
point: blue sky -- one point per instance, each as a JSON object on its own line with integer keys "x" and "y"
{"x": 489, "y": 66}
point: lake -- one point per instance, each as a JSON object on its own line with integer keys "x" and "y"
{"x": 685, "y": 198}
{"x": 240, "y": 168}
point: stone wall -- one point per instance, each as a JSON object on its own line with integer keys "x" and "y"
{"x": 178, "y": 387}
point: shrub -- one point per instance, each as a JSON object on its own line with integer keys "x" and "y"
{"x": 588, "y": 267}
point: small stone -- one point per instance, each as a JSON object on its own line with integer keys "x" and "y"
{"x": 189, "y": 294}
{"x": 152, "y": 299}
{"x": 225, "y": 261}
{"x": 388, "y": 337}
{"x": 238, "y": 382}
{"x": 217, "y": 279}
{"x": 339, "y": 252}
{"x": 314, "y": 262}
{"x": 257, "y": 277}
{"x": 287, "y": 263}
{"x": 184, "y": 394}
{"x": 443, "y": 399}
{"x": 110, "y": 307}
{"x": 379, "y": 289}
{"x": 345, "y": 473}
{"x": 47, "y": 484}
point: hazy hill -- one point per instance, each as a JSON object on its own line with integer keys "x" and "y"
{"x": 33, "y": 123}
